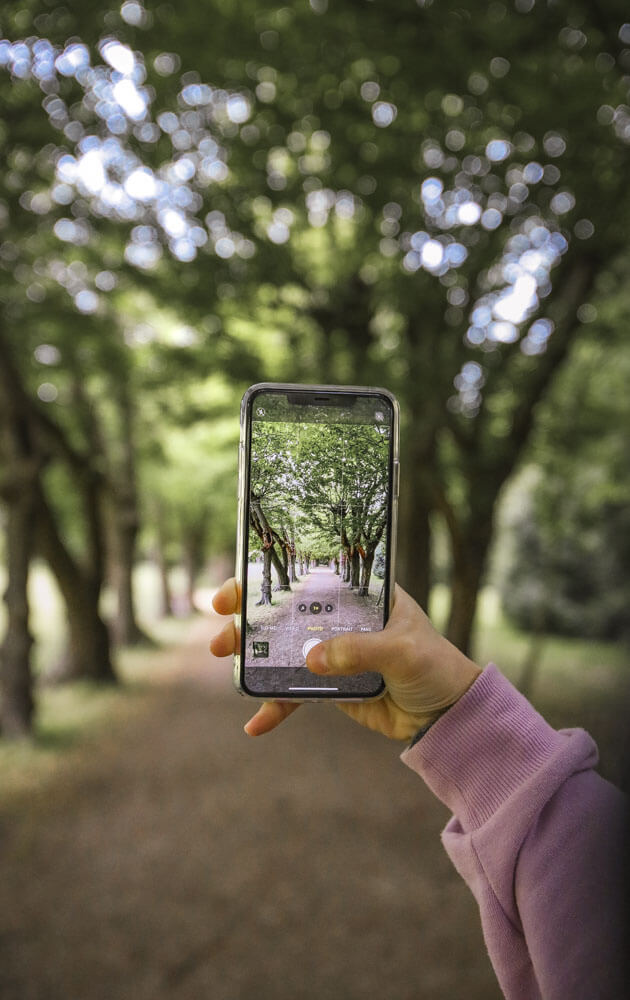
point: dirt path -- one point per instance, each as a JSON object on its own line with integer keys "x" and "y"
{"x": 320, "y": 606}
{"x": 174, "y": 859}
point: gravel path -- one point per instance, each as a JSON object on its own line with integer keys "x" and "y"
{"x": 172, "y": 858}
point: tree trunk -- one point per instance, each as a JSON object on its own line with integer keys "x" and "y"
{"x": 413, "y": 552}
{"x": 16, "y": 679}
{"x": 281, "y": 571}
{"x": 265, "y": 591}
{"x": 165, "y": 597}
{"x": 531, "y": 663}
{"x": 265, "y": 532}
{"x": 355, "y": 567}
{"x": 489, "y": 462}
{"x": 16, "y": 706}
{"x": 89, "y": 639}
{"x": 89, "y": 644}
{"x": 116, "y": 545}
{"x": 366, "y": 573}
{"x": 190, "y": 571}
{"x": 469, "y": 559}
{"x": 464, "y": 592}
{"x": 336, "y": 565}
{"x": 293, "y": 577}
{"x": 346, "y": 568}
{"x": 281, "y": 564}
{"x": 530, "y": 666}
{"x": 126, "y": 523}
{"x": 125, "y": 628}
{"x": 165, "y": 606}
{"x": 193, "y": 560}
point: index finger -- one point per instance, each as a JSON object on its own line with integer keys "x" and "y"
{"x": 227, "y": 600}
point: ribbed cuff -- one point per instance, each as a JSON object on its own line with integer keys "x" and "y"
{"x": 480, "y": 751}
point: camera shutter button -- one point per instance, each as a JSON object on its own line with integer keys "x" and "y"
{"x": 308, "y": 645}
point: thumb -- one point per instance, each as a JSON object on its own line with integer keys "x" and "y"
{"x": 349, "y": 653}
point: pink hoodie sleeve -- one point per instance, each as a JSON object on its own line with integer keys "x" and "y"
{"x": 540, "y": 838}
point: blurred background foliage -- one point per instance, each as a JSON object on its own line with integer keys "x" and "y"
{"x": 430, "y": 196}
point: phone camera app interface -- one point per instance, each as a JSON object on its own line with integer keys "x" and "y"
{"x": 318, "y": 521}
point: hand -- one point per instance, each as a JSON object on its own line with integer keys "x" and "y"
{"x": 424, "y": 673}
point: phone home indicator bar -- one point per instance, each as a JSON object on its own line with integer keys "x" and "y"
{"x": 312, "y": 689}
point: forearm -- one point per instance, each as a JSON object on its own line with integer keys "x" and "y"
{"x": 537, "y": 835}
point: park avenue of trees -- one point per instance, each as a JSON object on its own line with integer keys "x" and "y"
{"x": 198, "y": 196}
{"x": 318, "y": 492}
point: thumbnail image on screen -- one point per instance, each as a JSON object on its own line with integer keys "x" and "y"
{"x": 318, "y": 522}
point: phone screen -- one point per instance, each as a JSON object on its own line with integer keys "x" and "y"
{"x": 317, "y": 552}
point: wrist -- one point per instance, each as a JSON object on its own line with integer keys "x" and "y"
{"x": 422, "y": 723}
{"x": 426, "y": 725}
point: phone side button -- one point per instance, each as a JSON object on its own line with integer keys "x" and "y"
{"x": 396, "y": 478}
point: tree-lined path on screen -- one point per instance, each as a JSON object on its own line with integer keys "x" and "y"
{"x": 172, "y": 858}
{"x": 319, "y": 607}
{"x": 318, "y": 491}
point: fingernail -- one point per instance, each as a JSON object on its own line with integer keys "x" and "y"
{"x": 317, "y": 660}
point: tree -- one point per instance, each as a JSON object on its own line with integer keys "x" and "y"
{"x": 39, "y": 440}
{"x": 272, "y": 480}
{"x": 343, "y": 487}
{"x": 438, "y": 215}
{"x": 571, "y": 560}
{"x": 16, "y": 490}
{"x": 52, "y": 254}
{"x": 329, "y": 483}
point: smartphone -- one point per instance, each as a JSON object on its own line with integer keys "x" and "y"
{"x": 318, "y": 495}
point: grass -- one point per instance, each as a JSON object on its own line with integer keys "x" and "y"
{"x": 576, "y": 682}
{"x": 254, "y": 591}
{"x": 70, "y": 715}
{"x": 588, "y": 663}
{"x": 569, "y": 671}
